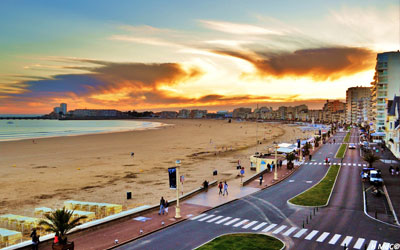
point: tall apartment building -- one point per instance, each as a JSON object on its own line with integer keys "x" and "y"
{"x": 334, "y": 111}
{"x": 385, "y": 86}
{"x": 63, "y": 108}
{"x": 358, "y": 105}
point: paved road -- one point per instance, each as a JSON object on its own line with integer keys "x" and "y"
{"x": 267, "y": 211}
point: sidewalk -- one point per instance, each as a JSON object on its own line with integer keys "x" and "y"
{"x": 392, "y": 183}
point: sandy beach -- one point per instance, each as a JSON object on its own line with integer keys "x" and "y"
{"x": 100, "y": 168}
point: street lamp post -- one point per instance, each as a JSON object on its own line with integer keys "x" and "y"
{"x": 178, "y": 208}
{"x": 276, "y": 163}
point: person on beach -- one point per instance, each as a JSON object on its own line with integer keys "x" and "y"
{"x": 220, "y": 187}
{"x": 225, "y": 189}
{"x": 162, "y": 205}
{"x": 166, "y": 206}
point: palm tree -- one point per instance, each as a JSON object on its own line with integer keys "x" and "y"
{"x": 370, "y": 158}
{"x": 317, "y": 140}
{"x": 60, "y": 222}
{"x": 306, "y": 147}
{"x": 290, "y": 157}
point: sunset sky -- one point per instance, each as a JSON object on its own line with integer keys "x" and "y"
{"x": 166, "y": 55}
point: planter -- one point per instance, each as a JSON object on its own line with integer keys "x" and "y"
{"x": 68, "y": 246}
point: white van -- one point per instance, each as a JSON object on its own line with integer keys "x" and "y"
{"x": 375, "y": 177}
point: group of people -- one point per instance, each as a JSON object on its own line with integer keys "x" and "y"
{"x": 394, "y": 171}
{"x": 271, "y": 166}
{"x": 327, "y": 160}
{"x": 163, "y": 206}
{"x": 223, "y": 186}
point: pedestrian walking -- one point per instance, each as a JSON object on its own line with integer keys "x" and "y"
{"x": 269, "y": 167}
{"x": 390, "y": 169}
{"x": 326, "y": 160}
{"x": 166, "y": 206}
{"x": 261, "y": 179}
{"x": 225, "y": 189}
{"x": 310, "y": 157}
{"x": 280, "y": 163}
{"x": 162, "y": 206}
{"x": 220, "y": 187}
{"x": 397, "y": 171}
{"x": 35, "y": 239}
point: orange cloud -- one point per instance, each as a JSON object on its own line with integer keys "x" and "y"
{"x": 320, "y": 64}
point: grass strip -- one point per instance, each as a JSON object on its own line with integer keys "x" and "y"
{"x": 342, "y": 150}
{"x": 319, "y": 194}
{"x": 347, "y": 138}
{"x": 243, "y": 241}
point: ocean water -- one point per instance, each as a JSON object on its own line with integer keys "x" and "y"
{"x": 30, "y": 129}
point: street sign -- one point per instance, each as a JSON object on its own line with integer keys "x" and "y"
{"x": 172, "y": 177}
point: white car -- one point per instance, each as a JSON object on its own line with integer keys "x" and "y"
{"x": 352, "y": 146}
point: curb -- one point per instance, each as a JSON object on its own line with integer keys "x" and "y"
{"x": 369, "y": 216}
{"x": 284, "y": 245}
{"x": 329, "y": 198}
{"x": 390, "y": 204}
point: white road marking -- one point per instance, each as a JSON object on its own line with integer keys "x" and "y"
{"x": 308, "y": 181}
{"x": 340, "y": 164}
{"x": 250, "y": 224}
{"x": 364, "y": 165}
{"x": 231, "y": 221}
{"x": 207, "y": 217}
{"x": 344, "y": 164}
{"x": 354, "y": 164}
{"x": 320, "y": 163}
{"x": 198, "y": 216}
{"x": 224, "y": 219}
{"x": 334, "y": 239}
{"x": 300, "y": 233}
{"x": 278, "y": 230}
{"x": 259, "y": 226}
{"x": 359, "y": 164}
{"x": 291, "y": 230}
{"x": 386, "y": 246}
{"x": 315, "y": 163}
{"x": 240, "y": 223}
{"x": 269, "y": 228}
{"x": 372, "y": 245}
{"x": 214, "y": 219}
{"x": 322, "y": 237}
{"x": 346, "y": 241}
{"x": 359, "y": 243}
{"x": 311, "y": 235}
{"x": 291, "y": 180}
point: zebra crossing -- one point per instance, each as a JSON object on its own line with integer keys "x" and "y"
{"x": 293, "y": 231}
{"x": 350, "y": 164}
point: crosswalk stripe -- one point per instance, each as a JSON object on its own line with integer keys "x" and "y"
{"x": 240, "y": 223}
{"x": 315, "y": 163}
{"x": 386, "y": 246}
{"x": 320, "y": 163}
{"x": 359, "y": 164}
{"x": 372, "y": 245}
{"x": 344, "y": 164}
{"x": 311, "y": 235}
{"x": 354, "y": 164}
{"x": 334, "y": 239}
{"x": 269, "y": 228}
{"x": 279, "y": 229}
{"x": 259, "y": 226}
{"x": 291, "y": 230}
{"x": 359, "y": 243}
{"x": 207, "y": 217}
{"x": 346, "y": 241}
{"x": 300, "y": 233}
{"x": 340, "y": 164}
{"x": 231, "y": 221}
{"x": 214, "y": 219}
{"x": 224, "y": 219}
{"x": 198, "y": 216}
{"x": 364, "y": 165}
{"x": 322, "y": 237}
{"x": 250, "y": 224}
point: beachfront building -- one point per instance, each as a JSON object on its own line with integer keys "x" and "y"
{"x": 334, "y": 111}
{"x": 242, "y": 113}
{"x": 184, "y": 113}
{"x": 385, "y": 86}
{"x": 168, "y": 114}
{"x": 56, "y": 110}
{"x": 261, "y": 113}
{"x": 358, "y": 105}
{"x": 63, "y": 108}
{"x": 392, "y": 128}
{"x": 93, "y": 113}
{"x": 198, "y": 114}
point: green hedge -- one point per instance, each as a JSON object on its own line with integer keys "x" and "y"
{"x": 319, "y": 194}
{"x": 342, "y": 150}
{"x": 347, "y": 138}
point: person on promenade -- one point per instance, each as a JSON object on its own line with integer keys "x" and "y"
{"x": 162, "y": 205}
{"x": 35, "y": 239}
{"x": 310, "y": 157}
{"x": 166, "y": 206}
{"x": 280, "y": 163}
{"x": 220, "y": 187}
{"x": 225, "y": 189}
{"x": 397, "y": 170}
{"x": 56, "y": 238}
{"x": 390, "y": 169}
{"x": 269, "y": 167}
{"x": 261, "y": 179}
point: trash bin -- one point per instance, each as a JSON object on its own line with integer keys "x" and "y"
{"x": 128, "y": 195}
{"x": 215, "y": 172}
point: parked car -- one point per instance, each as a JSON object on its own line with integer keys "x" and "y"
{"x": 375, "y": 177}
{"x": 352, "y": 146}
